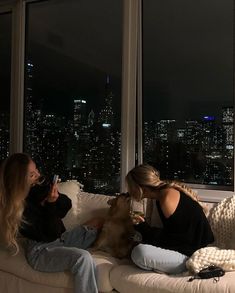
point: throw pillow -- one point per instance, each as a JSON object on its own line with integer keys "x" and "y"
{"x": 71, "y": 189}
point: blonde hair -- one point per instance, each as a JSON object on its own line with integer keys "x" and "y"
{"x": 146, "y": 175}
{"x": 14, "y": 187}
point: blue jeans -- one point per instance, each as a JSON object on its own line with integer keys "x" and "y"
{"x": 67, "y": 253}
{"x": 149, "y": 257}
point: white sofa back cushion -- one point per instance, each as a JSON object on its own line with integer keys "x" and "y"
{"x": 92, "y": 205}
{"x": 71, "y": 189}
{"x": 84, "y": 205}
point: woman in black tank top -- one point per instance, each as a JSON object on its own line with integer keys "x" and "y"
{"x": 185, "y": 227}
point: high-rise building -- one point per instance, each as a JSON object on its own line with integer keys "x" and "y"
{"x": 193, "y": 134}
{"x": 4, "y": 135}
{"x": 166, "y": 130}
{"x": 227, "y": 125}
{"x": 33, "y": 116}
{"x": 106, "y": 115}
{"x": 79, "y": 114}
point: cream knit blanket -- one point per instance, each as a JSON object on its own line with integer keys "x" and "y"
{"x": 204, "y": 257}
{"x": 222, "y": 254}
{"x": 222, "y": 221}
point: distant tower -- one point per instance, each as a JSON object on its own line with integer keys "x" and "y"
{"x": 193, "y": 134}
{"x": 106, "y": 116}
{"x": 208, "y": 134}
{"x": 91, "y": 118}
{"x": 79, "y": 114}
{"x": 4, "y": 135}
{"x": 227, "y": 124}
{"x": 166, "y": 130}
{"x": 33, "y": 115}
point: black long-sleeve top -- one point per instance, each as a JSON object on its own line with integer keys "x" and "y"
{"x": 185, "y": 231}
{"x": 44, "y": 222}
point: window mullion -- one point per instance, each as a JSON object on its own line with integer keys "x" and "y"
{"x": 130, "y": 24}
{"x": 17, "y": 78}
{"x": 139, "y": 111}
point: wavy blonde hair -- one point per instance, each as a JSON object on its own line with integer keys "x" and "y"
{"x": 146, "y": 175}
{"x": 14, "y": 187}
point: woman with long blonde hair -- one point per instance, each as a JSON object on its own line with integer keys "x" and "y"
{"x": 185, "y": 227}
{"x": 35, "y": 211}
{"x": 14, "y": 187}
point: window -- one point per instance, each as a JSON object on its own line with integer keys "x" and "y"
{"x": 73, "y": 90}
{"x": 5, "y": 82}
{"x": 188, "y": 90}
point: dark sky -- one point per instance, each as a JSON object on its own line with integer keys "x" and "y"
{"x": 80, "y": 50}
{"x": 187, "y": 60}
{"x": 5, "y": 61}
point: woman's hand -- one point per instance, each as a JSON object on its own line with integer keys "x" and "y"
{"x": 53, "y": 194}
{"x": 137, "y": 217}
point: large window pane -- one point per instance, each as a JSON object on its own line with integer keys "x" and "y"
{"x": 5, "y": 82}
{"x": 73, "y": 90}
{"x": 188, "y": 90}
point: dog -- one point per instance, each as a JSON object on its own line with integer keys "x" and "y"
{"x": 117, "y": 234}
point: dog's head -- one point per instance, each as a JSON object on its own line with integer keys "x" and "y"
{"x": 120, "y": 204}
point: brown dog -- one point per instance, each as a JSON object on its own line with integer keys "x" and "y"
{"x": 116, "y": 235}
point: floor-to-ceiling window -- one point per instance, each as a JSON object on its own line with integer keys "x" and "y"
{"x": 73, "y": 66}
{"x": 188, "y": 90}
{"x": 5, "y": 82}
{"x": 72, "y": 89}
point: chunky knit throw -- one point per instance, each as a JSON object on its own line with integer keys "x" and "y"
{"x": 222, "y": 253}
{"x": 204, "y": 257}
{"x": 222, "y": 221}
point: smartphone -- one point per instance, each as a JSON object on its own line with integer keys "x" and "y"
{"x": 55, "y": 179}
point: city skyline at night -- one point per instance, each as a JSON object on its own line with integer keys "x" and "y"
{"x": 73, "y": 91}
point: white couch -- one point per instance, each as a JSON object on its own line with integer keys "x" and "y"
{"x": 114, "y": 275}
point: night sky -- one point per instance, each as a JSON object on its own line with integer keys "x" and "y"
{"x": 5, "y": 61}
{"x": 187, "y": 61}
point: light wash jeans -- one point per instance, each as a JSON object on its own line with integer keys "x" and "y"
{"x": 67, "y": 253}
{"x": 154, "y": 258}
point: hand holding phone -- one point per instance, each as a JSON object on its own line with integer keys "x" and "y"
{"x": 53, "y": 193}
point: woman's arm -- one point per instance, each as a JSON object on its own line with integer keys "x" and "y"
{"x": 62, "y": 203}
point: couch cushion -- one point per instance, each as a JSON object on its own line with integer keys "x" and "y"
{"x": 18, "y": 266}
{"x": 92, "y": 205}
{"x": 71, "y": 189}
{"x": 128, "y": 278}
{"x": 105, "y": 264}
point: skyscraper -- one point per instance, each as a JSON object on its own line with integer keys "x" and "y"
{"x": 106, "y": 115}
{"x": 79, "y": 114}
{"x": 33, "y": 116}
{"x": 227, "y": 125}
